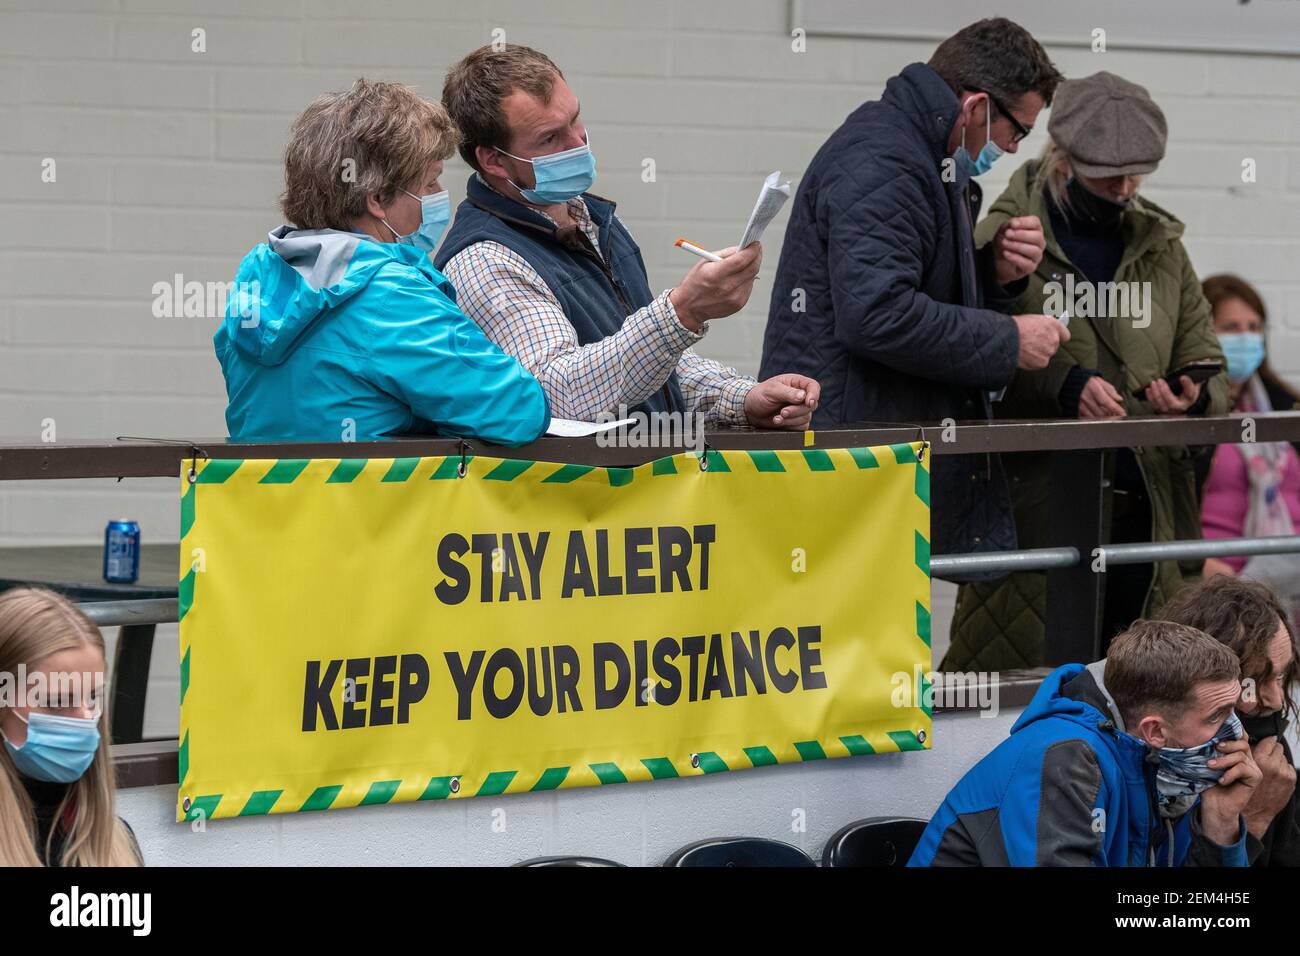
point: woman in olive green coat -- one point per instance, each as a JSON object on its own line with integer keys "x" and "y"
{"x": 1116, "y": 262}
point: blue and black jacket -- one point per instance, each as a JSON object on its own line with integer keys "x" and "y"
{"x": 1068, "y": 787}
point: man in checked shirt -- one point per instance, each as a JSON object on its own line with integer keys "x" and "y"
{"x": 554, "y": 278}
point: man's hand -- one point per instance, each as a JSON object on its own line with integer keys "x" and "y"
{"x": 1018, "y": 248}
{"x": 783, "y": 401}
{"x": 1100, "y": 400}
{"x": 1165, "y": 402}
{"x": 1275, "y": 790}
{"x": 715, "y": 290}
{"x": 1040, "y": 337}
{"x": 1223, "y": 804}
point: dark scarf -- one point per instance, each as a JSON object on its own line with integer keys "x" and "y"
{"x": 1088, "y": 209}
{"x": 1269, "y": 725}
{"x": 1280, "y": 844}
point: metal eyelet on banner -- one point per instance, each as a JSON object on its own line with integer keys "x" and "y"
{"x": 195, "y": 452}
{"x": 461, "y": 468}
{"x": 186, "y": 804}
{"x": 695, "y": 761}
{"x": 454, "y": 785}
{"x": 925, "y": 445}
{"x": 704, "y": 457}
{"x": 920, "y": 736}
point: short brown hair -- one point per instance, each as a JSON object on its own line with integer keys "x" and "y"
{"x": 1158, "y": 664}
{"x": 368, "y": 141}
{"x": 999, "y": 57}
{"x": 1224, "y": 286}
{"x": 1243, "y": 615}
{"x": 476, "y": 86}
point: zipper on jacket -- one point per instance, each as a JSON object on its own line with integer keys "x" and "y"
{"x": 1124, "y": 373}
{"x": 627, "y": 308}
{"x": 1153, "y": 809}
{"x": 1153, "y": 825}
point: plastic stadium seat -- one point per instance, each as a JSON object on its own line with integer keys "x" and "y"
{"x": 739, "y": 851}
{"x": 875, "y": 841}
{"x": 567, "y": 861}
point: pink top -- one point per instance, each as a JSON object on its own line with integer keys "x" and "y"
{"x": 1226, "y": 496}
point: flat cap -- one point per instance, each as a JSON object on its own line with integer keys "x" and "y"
{"x": 1108, "y": 126}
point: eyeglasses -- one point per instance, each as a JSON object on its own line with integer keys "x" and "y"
{"x": 1021, "y": 130}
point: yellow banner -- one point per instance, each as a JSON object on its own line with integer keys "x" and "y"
{"x": 364, "y": 631}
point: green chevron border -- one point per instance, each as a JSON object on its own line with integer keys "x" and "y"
{"x": 212, "y": 471}
{"x": 283, "y": 471}
{"x": 499, "y": 782}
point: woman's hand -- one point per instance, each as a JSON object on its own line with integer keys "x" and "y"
{"x": 1214, "y": 566}
{"x": 1099, "y": 399}
{"x": 1165, "y": 402}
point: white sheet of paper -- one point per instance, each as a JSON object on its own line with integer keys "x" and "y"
{"x": 770, "y": 200}
{"x": 568, "y": 428}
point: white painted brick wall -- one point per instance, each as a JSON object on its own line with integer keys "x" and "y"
{"x": 168, "y": 161}
{"x": 640, "y": 825}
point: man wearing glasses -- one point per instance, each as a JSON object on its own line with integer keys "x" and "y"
{"x": 880, "y": 293}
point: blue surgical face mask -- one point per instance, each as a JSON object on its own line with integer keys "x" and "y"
{"x": 57, "y": 749}
{"x": 989, "y": 155}
{"x": 1244, "y": 352}
{"x": 1182, "y": 771}
{"x": 435, "y": 212}
{"x": 560, "y": 176}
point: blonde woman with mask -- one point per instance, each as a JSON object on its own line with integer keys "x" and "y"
{"x": 57, "y": 786}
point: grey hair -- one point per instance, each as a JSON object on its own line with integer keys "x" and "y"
{"x": 369, "y": 141}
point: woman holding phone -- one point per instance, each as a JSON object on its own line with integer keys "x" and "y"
{"x": 1141, "y": 343}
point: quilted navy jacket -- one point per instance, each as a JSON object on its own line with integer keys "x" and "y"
{"x": 880, "y": 295}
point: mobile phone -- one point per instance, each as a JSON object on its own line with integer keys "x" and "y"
{"x": 1197, "y": 371}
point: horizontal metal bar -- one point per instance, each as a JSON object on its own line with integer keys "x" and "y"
{"x": 1198, "y": 548}
{"x": 1035, "y": 559}
{"x": 144, "y": 611}
{"x": 1039, "y": 559}
{"x": 163, "y": 458}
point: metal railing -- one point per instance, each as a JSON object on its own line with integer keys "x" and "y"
{"x": 128, "y": 612}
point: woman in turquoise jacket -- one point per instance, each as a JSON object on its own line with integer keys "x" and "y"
{"x": 338, "y": 327}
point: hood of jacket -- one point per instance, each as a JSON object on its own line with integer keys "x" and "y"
{"x": 288, "y": 283}
{"x": 1077, "y": 692}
